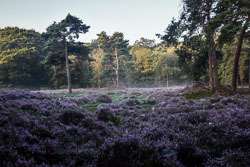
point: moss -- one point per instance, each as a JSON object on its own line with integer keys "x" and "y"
{"x": 91, "y": 107}
{"x": 198, "y": 95}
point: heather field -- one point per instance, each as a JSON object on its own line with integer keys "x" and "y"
{"x": 156, "y": 127}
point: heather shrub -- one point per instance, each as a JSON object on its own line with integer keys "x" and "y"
{"x": 128, "y": 151}
{"x": 109, "y": 113}
{"x": 71, "y": 117}
{"x": 189, "y": 155}
{"x": 43, "y": 130}
{"x": 227, "y": 101}
{"x": 99, "y": 98}
{"x": 198, "y": 117}
{"x": 129, "y": 102}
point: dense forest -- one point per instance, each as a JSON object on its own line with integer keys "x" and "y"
{"x": 207, "y": 43}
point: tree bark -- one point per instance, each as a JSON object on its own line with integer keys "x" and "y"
{"x": 67, "y": 65}
{"x": 249, "y": 72}
{"x": 167, "y": 80}
{"x": 117, "y": 68}
{"x": 99, "y": 81}
{"x": 56, "y": 83}
{"x": 211, "y": 80}
{"x": 215, "y": 70}
{"x": 237, "y": 55}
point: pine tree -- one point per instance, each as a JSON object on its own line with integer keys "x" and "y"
{"x": 65, "y": 33}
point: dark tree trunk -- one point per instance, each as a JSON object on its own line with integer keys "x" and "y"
{"x": 211, "y": 82}
{"x": 249, "y": 72}
{"x": 237, "y": 55}
{"x": 67, "y": 65}
{"x": 215, "y": 70}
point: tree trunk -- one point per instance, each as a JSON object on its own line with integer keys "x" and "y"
{"x": 215, "y": 70}
{"x": 56, "y": 83}
{"x": 67, "y": 65}
{"x": 249, "y": 72}
{"x": 211, "y": 80}
{"x": 167, "y": 80}
{"x": 99, "y": 82}
{"x": 117, "y": 68}
{"x": 237, "y": 55}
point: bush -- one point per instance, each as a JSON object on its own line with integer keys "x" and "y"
{"x": 189, "y": 155}
{"x": 71, "y": 117}
{"x": 99, "y": 98}
{"x": 38, "y": 129}
{"x": 128, "y": 151}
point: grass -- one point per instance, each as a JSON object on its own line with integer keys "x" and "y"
{"x": 91, "y": 107}
{"x": 75, "y": 95}
{"x": 144, "y": 100}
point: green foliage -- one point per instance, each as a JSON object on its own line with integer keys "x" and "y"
{"x": 104, "y": 69}
{"x": 193, "y": 57}
{"x": 91, "y": 107}
{"x": 70, "y": 28}
{"x": 144, "y": 61}
{"x": 226, "y": 66}
{"x": 197, "y": 28}
{"x": 20, "y": 58}
{"x": 61, "y": 37}
{"x": 155, "y": 64}
{"x": 167, "y": 68}
{"x": 96, "y": 66}
{"x": 231, "y": 15}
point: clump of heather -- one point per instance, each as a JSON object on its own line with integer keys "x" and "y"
{"x": 43, "y": 130}
{"x": 99, "y": 98}
{"x": 128, "y": 150}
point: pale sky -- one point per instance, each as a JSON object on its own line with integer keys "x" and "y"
{"x": 134, "y": 18}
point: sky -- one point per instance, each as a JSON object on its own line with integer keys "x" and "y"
{"x": 134, "y": 18}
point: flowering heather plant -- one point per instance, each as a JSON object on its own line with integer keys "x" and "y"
{"x": 37, "y": 129}
{"x": 126, "y": 151}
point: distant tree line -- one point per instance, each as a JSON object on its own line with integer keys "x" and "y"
{"x": 54, "y": 59}
{"x": 209, "y": 42}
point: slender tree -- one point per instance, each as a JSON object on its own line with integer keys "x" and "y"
{"x": 249, "y": 72}
{"x": 65, "y": 33}
{"x": 233, "y": 17}
{"x": 115, "y": 50}
{"x": 245, "y": 26}
{"x": 119, "y": 48}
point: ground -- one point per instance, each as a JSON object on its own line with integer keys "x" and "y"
{"x": 129, "y": 127}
